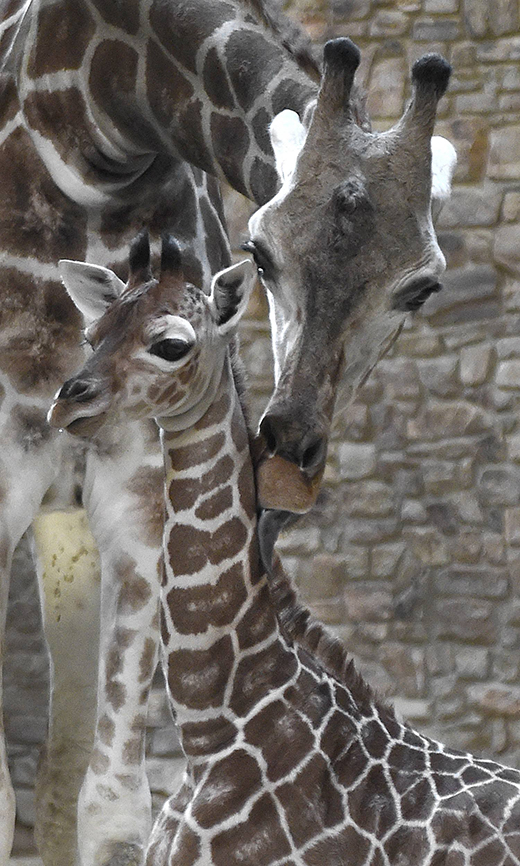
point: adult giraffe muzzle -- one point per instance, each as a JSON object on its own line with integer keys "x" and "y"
{"x": 344, "y": 250}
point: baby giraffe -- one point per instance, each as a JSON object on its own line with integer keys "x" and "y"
{"x": 291, "y": 761}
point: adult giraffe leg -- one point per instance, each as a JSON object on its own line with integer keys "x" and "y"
{"x": 69, "y": 577}
{"x": 124, "y": 500}
{"x": 31, "y": 456}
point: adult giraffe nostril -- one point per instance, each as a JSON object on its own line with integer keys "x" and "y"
{"x": 294, "y": 442}
{"x": 268, "y": 429}
{"x": 313, "y": 454}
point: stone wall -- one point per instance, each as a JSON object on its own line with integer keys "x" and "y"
{"x": 413, "y": 555}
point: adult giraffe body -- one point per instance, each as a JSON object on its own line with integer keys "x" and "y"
{"x": 290, "y": 758}
{"x": 109, "y": 115}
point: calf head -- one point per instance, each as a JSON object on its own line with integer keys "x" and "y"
{"x": 159, "y": 345}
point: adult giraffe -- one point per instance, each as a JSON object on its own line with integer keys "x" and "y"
{"x": 109, "y": 114}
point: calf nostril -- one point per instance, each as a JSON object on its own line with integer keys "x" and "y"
{"x": 78, "y": 389}
{"x": 312, "y": 455}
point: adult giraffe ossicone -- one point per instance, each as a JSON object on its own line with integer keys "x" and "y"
{"x": 291, "y": 760}
{"x": 110, "y": 112}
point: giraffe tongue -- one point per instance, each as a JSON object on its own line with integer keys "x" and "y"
{"x": 270, "y": 524}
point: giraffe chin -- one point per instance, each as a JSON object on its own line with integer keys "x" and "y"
{"x": 282, "y": 486}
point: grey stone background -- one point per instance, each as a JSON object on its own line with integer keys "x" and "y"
{"x": 413, "y": 556}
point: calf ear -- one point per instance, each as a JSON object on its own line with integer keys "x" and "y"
{"x": 91, "y": 287}
{"x": 230, "y": 292}
{"x": 444, "y": 160}
{"x": 288, "y": 136}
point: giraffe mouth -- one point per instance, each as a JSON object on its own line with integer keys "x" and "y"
{"x": 71, "y": 418}
{"x": 86, "y": 427}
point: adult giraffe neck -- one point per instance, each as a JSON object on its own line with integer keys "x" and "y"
{"x": 218, "y": 623}
{"x": 201, "y": 82}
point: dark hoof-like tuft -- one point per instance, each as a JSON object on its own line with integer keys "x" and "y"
{"x": 341, "y": 53}
{"x": 432, "y": 70}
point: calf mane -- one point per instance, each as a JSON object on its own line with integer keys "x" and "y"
{"x": 300, "y": 627}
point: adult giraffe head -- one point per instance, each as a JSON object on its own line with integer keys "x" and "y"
{"x": 345, "y": 249}
{"x": 159, "y": 344}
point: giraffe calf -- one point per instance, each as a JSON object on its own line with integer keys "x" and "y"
{"x": 291, "y": 760}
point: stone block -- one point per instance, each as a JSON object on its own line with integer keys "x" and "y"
{"x": 356, "y": 460}
{"x": 400, "y": 379}
{"x": 508, "y": 347}
{"x": 299, "y": 539}
{"x": 508, "y": 374}
{"x": 389, "y": 22}
{"x": 512, "y": 526}
{"x": 470, "y": 206}
{"x": 504, "y": 153}
{"x": 498, "y": 50}
{"x": 355, "y": 424}
{"x": 472, "y": 663}
{"x": 367, "y": 604}
{"x": 369, "y": 499}
{"x": 435, "y": 30}
{"x": 511, "y": 206}
{"x": 438, "y": 375}
{"x": 437, "y": 421}
{"x": 441, "y": 6}
{"x": 351, "y": 9}
{"x": 465, "y": 619}
{"x": 506, "y": 250}
{"x": 419, "y": 344}
{"x": 476, "y": 17}
{"x": 439, "y": 476}
{"x": 465, "y": 289}
{"x": 426, "y": 544}
{"x": 503, "y": 17}
{"x": 513, "y": 447}
{"x": 385, "y": 559}
{"x": 474, "y": 364}
{"x": 413, "y": 511}
{"x": 472, "y": 581}
{"x": 413, "y": 709}
{"x": 324, "y": 575}
{"x": 386, "y": 88}
{"x": 500, "y": 485}
{"x": 445, "y": 516}
{"x": 406, "y": 666}
{"x": 369, "y": 531}
{"x": 496, "y": 699}
{"x": 466, "y": 547}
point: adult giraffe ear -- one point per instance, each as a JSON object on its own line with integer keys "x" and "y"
{"x": 230, "y": 292}
{"x": 288, "y": 135}
{"x": 91, "y": 287}
{"x": 444, "y": 160}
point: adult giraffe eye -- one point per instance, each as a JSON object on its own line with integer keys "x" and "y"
{"x": 170, "y": 349}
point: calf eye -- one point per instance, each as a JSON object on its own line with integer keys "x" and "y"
{"x": 170, "y": 349}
